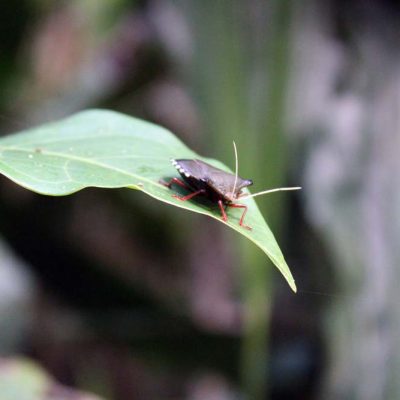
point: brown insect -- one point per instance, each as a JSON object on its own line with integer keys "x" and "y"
{"x": 221, "y": 187}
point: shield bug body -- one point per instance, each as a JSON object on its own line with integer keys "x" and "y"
{"x": 220, "y": 187}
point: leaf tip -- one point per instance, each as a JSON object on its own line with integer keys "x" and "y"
{"x": 293, "y": 286}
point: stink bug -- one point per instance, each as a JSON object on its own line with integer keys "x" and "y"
{"x": 221, "y": 187}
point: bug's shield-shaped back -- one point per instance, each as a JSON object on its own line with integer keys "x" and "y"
{"x": 221, "y": 181}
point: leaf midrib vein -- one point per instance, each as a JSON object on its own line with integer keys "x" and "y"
{"x": 89, "y": 161}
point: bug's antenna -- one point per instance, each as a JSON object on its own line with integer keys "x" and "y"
{"x": 246, "y": 196}
{"x": 236, "y": 167}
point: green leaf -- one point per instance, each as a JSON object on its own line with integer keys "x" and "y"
{"x": 100, "y": 148}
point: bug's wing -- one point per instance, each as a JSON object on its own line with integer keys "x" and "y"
{"x": 203, "y": 171}
{"x": 190, "y": 168}
{"x": 220, "y": 180}
{"x": 224, "y": 182}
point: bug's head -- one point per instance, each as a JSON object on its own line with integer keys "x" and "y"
{"x": 237, "y": 189}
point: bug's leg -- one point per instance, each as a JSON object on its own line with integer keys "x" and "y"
{"x": 189, "y": 196}
{"x": 237, "y": 205}
{"x": 176, "y": 181}
{"x": 222, "y": 208}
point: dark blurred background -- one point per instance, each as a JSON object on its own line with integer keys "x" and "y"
{"x": 118, "y": 295}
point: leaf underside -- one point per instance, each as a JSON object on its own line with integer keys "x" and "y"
{"x": 106, "y": 149}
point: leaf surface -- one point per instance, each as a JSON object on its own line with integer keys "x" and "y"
{"x": 105, "y": 149}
